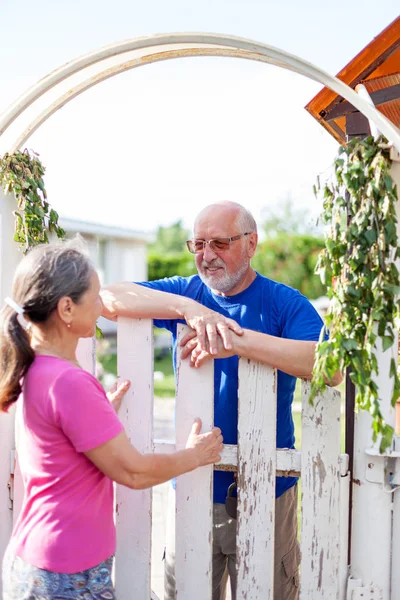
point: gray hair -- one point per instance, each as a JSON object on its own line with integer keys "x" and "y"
{"x": 48, "y": 273}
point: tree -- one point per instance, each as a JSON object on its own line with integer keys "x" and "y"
{"x": 168, "y": 255}
{"x": 291, "y": 259}
{"x": 171, "y": 238}
{"x": 290, "y": 220}
{"x": 290, "y": 252}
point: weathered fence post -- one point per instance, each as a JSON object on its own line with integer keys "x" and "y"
{"x": 256, "y": 480}
{"x": 193, "y": 551}
{"x": 320, "y": 469}
{"x": 133, "y": 508}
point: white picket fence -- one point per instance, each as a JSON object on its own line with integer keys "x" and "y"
{"x": 325, "y": 480}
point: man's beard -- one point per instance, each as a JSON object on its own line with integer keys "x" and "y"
{"x": 221, "y": 282}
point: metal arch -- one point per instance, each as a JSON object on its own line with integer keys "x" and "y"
{"x": 174, "y": 46}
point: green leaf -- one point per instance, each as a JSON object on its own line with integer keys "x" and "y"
{"x": 387, "y": 342}
{"x": 387, "y": 433}
{"x": 393, "y": 368}
{"x": 349, "y": 344}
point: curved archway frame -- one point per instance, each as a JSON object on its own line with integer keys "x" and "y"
{"x": 177, "y": 45}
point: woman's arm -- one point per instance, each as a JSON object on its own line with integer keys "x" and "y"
{"x": 137, "y": 301}
{"x": 120, "y": 461}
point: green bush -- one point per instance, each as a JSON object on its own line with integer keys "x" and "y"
{"x": 168, "y": 265}
{"x": 291, "y": 259}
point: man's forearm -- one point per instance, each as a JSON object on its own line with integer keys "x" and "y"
{"x": 291, "y": 356}
{"x": 294, "y": 357}
{"x": 138, "y": 301}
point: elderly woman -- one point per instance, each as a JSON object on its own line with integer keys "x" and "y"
{"x": 71, "y": 444}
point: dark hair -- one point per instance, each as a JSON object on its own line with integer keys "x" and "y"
{"x": 49, "y": 272}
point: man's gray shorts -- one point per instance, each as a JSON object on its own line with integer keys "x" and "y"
{"x": 287, "y": 553}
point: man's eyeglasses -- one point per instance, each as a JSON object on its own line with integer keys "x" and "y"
{"x": 217, "y": 245}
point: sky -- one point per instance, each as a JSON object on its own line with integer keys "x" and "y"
{"x": 158, "y": 143}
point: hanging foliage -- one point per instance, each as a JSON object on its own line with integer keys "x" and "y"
{"x": 21, "y": 173}
{"x": 357, "y": 266}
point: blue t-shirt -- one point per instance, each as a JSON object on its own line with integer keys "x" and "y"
{"x": 265, "y": 306}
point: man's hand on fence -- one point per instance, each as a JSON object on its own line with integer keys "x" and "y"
{"x": 207, "y": 446}
{"x": 210, "y": 327}
{"x": 117, "y": 392}
{"x": 198, "y": 356}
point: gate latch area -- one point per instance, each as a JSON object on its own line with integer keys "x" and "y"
{"x": 383, "y": 469}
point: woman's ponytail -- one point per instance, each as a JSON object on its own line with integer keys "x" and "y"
{"x": 16, "y": 356}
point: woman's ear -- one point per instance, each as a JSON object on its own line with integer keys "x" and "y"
{"x": 65, "y": 308}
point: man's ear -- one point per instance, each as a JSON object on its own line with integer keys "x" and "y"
{"x": 65, "y": 308}
{"x": 252, "y": 245}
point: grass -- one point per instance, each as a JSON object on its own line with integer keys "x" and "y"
{"x": 164, "y": 388}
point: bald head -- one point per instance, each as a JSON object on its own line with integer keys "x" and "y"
{"x": 228, "y": 211}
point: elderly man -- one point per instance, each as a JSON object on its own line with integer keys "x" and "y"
{"x": 280, "y": 328}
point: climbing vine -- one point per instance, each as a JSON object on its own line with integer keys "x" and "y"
{"x": 21, "y": 173}
{"x": 357, "y": 266}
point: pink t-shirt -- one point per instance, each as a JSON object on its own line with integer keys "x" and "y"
{"x": 66, "y": 522}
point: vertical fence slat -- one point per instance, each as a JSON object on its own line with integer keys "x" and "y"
{"x": 193, "y": 552}
{"x": 133, "y": 507}
{"x": 256, "y": 469}
{"x": 86, "y": 354}
{"x": 320, "y": 469}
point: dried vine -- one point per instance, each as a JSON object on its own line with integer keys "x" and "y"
{"x": 358, "y": 268}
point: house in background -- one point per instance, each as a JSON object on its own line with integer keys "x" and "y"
{"x": 119, "y": 254}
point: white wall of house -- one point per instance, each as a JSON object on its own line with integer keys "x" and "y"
{"x": 123, "y": 260}
{"x": 118, "y": 254}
